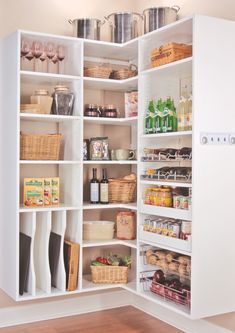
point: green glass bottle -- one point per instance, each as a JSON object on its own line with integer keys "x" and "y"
{"x": 150, "y": 119}
{"x": 175, "y": 118}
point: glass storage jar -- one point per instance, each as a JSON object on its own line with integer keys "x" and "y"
{"x": 42, "y": 97}
{"x": 165, "y": 197}
{"x": 91, "y": 110}
{"x": 63, "y": 101}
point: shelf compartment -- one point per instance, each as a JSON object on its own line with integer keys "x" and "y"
{"x": 87, "y": 205}
{"x": 111, "y": 84}
{"x": 47, "y": 117}
{"x": 41, "y": 257}
{"x": 166, "y": 242}
{"x": 181, "y": 214}
{"x": 180, "y": 32}
{"x": 58, "y": 227}
{"x": 173, "y": 69}
{"x": 28, "y": 227}
{"x": 111, "y": 121}
{"x": 101, "y": 49}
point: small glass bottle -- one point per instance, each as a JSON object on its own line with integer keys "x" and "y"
{"x": 42, "y": 97}
{"x": 63, "y": 101}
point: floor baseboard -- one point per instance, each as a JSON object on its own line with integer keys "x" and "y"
{"x": 32, "y": 312}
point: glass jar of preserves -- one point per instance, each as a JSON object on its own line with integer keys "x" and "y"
{"x": 91, "y": 110}
{"x": 155, "y": 196}
{"x": 63, "y": 101}
{"x": 147, "y": 196}
{"x": 165, "y": 197}
{"x": 110, "y": 111}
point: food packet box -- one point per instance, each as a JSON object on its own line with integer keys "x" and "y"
{"x": 47, "y": 192}
{"x": 33, "y": 192}
{"x": 55, "y": 190}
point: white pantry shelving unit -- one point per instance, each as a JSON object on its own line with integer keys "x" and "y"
{"x": 212, "y": 214}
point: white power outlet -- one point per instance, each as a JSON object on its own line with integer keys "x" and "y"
{"x": 217, "y": 138}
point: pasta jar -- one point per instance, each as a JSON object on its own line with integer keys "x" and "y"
{"x": 165, "y": 196}
{"x": 63, "y": 101}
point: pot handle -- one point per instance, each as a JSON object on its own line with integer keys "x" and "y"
{"x": 106, "y": 18}
{"x": 70, "y": 21}
{"x": 177, "y": 8}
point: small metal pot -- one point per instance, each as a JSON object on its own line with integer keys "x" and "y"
{"x": 157, "y": 17}
{"x": 124, "y": 26}
{"x": 86, "y": 28}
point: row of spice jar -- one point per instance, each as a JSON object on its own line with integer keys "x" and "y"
{"x": 108, "y": 111}
{"x": 168, "y": 227}
{"x": 166, "y": 197}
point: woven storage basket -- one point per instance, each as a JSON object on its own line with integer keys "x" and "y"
{"x": 109, "y": 274}
{"x": 124, "y": 73}
{"x": 169, "y": 53}
{"x": 122, "y": 190}
{"x": 99, "y": 71}
{"x": 40, "y": 146}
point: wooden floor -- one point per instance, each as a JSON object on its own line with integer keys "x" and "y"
{"x": 120, "y": 320}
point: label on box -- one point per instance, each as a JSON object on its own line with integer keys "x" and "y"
{"x": 33, "y": 192}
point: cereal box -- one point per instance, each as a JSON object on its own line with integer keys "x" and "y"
{"x": 33, "y": 192}
{"x": 47, "y": 191}
{"x": 55, "y": 190}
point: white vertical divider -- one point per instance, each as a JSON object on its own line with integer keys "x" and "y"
{"x": 139, "y": 149}
{"x": 28, "y": 227}
{"x": 80, "y": 213}
{"x": 58, "y": 226}
{"x": 41, "y": 254}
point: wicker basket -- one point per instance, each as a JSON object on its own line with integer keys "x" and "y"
{"x": 169, "y": 53}
{"x": 124, "y": 73}
{"x": 40, "y": 146}
{"x": 122, "y": 190}
{"x": 109, "y": 274}
{"x": 100, "y": 71}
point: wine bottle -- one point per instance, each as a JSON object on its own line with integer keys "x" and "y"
{"x": 94, "y": 188}
{"x": 104, "y": 188}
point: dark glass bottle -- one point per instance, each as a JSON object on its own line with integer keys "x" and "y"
{"x": 104, "y": 188}
{"x": 94, "y": 188}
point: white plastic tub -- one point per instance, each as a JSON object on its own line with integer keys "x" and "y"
{"x": 98, "y": 230}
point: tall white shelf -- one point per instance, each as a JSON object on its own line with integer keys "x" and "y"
{"x": 211, "y": 246}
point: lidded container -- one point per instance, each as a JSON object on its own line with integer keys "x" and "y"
{"x": 165, "y": 197}
{"x": 63, "y": 101}
{"x": 157, "y": 17}
{"x": 91, "y": 110}
{"x": 110, "y": 111}
{"x": 42, "y": 97}
{"x": 124, "y": 26}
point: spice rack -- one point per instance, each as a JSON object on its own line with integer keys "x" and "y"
{"x": 209, "y": 72}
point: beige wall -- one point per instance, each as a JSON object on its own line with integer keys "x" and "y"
{"x": 51, "y": 16}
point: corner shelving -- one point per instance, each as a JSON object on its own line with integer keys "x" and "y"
{"x": 209, "y": 70}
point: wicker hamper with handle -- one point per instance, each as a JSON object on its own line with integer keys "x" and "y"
{"x": 100, "y": 71}
{"x": 169, "y": 53}
{"x": 122, "y": 190}
{"x": 109, "y": 274}
{"x": 40, "y": 146}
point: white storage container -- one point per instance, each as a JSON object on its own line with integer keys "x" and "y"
{"x": 98, "y": 230}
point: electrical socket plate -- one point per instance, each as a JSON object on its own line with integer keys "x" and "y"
{"x": 217, "y": 138}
